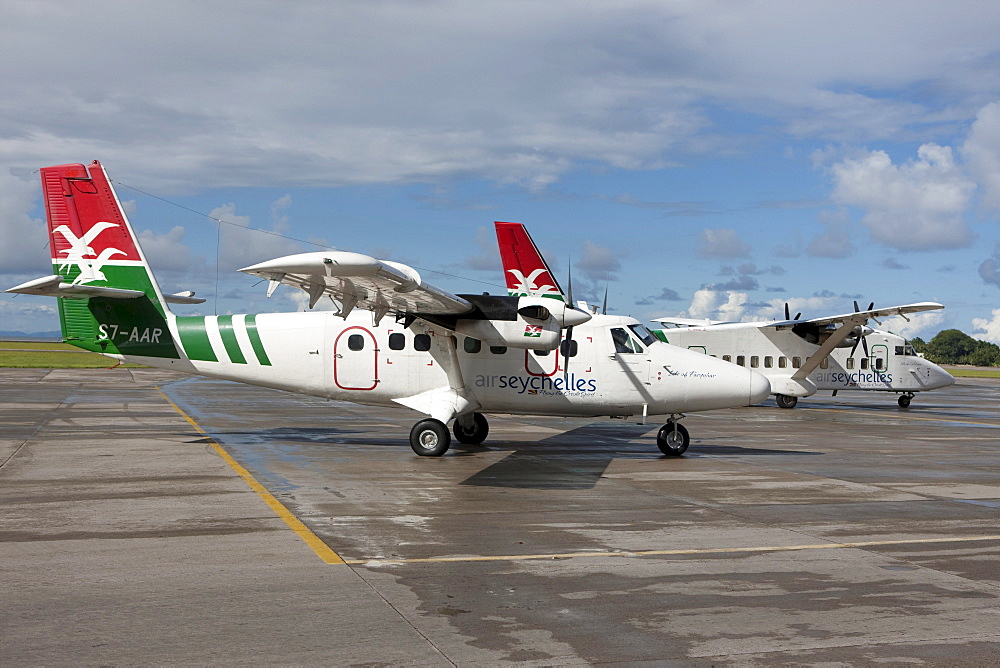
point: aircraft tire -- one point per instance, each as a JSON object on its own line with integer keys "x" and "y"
{"x": 430, "y": 438}
{"x": 785, "y": 401}
{"x": 904, "y": 400}
{"x": 475, "y": 434}
{"x": 673, "y": 439}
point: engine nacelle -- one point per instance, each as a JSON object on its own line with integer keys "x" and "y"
{"x": 535, "y": 324}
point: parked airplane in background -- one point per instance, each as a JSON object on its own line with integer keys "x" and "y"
{"x": 451, "y": 357}
{"x": 800, "y": 357}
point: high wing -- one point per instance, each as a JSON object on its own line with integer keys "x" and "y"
{"x": 354, "y": 280}
{"x": 873, "y": 314}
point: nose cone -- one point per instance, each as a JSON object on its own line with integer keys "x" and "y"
{"x": 760, "y": 388}
{"x": 940, "y": 378}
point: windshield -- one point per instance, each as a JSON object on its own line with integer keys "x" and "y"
{"x": 643, "y": 334}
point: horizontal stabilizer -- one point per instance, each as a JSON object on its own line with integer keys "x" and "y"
{"x": 353, "y": 279}
{"x": 54, "y": 286}
{"x": 185, "y": 297}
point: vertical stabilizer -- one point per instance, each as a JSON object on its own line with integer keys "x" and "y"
{"x": 95, "y": 250}
{"x": 524, "y": 268}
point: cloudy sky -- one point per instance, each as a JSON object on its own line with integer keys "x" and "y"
{"x": 696, "y": 158}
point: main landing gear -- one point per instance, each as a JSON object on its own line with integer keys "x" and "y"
{"x": 430, "y": 437}
{"x": 673, "y": 439}
{"x": 905, "y": 399}
{"x": 785, "y": 401}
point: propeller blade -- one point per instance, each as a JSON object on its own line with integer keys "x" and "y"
{"x": 604, "y": 309}
{"x": 569, "y": 283}
{"x": 788, "y": 315}
{"x": 854, "y": 347}
{"x": 864, "y": 344}
{"x": 797, "y": 316}
{"x": 856, "y": 307}
{"x": 871, "y": 306}
{"x": 568, "y": 344}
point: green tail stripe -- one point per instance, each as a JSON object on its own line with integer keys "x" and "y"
{"x": 194, "y": 338}
{"x": 659, "y": 333}
{"x": 229, "y": 340}
{"x": 258, "y": 346}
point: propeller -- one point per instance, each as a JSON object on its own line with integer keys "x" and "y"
{"x": 568, "y": 341}
{"x": 788, "y": 316}
{"x": 862, "y": 339}
{"x": 604, "y": 309}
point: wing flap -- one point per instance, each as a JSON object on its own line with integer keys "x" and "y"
{"x": 354, "y": 279}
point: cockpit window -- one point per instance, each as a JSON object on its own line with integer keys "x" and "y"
{"x": 906, "y": 350}
{"x": 623, "y": 342}
{"x": 644, "y": 335}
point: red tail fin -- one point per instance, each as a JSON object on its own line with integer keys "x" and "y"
{"x": 523, "y": 266}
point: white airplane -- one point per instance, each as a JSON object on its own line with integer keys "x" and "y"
{"x": 800, "y": 357}
{"x": 450, "y": 357}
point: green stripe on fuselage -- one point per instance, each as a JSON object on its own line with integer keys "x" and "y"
{"x": 258, "y": 345}
{"x": 229, "y": 340}
{"x": 194, "y": 338}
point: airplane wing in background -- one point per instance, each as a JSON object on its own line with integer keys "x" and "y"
{"x": 355, "y": 280}
{"x": 854, "y": 317}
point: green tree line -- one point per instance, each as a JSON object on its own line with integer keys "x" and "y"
{"x": 952, "y": 346}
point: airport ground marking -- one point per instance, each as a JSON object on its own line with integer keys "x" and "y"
{"x": 321, "y": 549}
{"x": 670, "y": 553}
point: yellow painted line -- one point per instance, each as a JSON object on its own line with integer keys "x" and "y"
{"x": 904, "y": 417}
{"x": 321, "y": 549}
{"x": 661, "y": 553}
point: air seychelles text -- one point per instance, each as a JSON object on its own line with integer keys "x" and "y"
{"x": 572, "y": 384}
{"x": 855, "y": 378}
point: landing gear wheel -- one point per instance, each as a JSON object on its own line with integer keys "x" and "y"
{"x": 785, "y": 401}
{"x": 672, "y": 439}
{"x": 430, "y": 438}
{"x": 475, "y": 433}
{"x": 904, "y": 400}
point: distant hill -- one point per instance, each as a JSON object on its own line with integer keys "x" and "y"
{"x": 31, "y": 336}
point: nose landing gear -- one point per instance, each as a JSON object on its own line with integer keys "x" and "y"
{"x": 673, "y": 439}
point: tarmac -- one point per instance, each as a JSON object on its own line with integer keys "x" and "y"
{"x": 154, "y": 518}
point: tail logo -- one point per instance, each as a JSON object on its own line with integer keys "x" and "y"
{"x": 90, "y": 269}
{"x": 527, "y": 285}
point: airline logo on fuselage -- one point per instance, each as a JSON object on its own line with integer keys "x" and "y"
{"x": 570, "y": 385}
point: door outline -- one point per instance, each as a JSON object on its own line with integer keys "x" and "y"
{"x": 356, "y": 355}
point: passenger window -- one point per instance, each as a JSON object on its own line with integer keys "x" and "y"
{"x": 850, "y": 363}
{"x": 796, "y": 362}
{"x": 498, "y": 350}
{"x": 472, "y": 345}
{"x": 568, "y": 348}
{"x": 878, "y": 363}
{"x": 422, "y": 342}
{"x": 397, "y": 341}
{"x": 741, "y": 360}
{"x": 356, "y": 342}
{"x": 782, "y": 362}
{"x": 727, "y": 358}
{"x": 864, "y": 363}
{"x": 768, "y": 362}
{"x": 754, "y": 361}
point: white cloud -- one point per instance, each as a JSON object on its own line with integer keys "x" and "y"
{"x": 24, "y": 251}
{"x": 722, "y": 243}
{"x": 243, "y": 245}
{"x": 717, "y": 305}
{"x": 988, "y": 330}
{"x": 919, "y": 205}
{"x": 982, "y": 153}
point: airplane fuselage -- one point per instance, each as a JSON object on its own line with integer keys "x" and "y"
{"x": 319, "y": 354}
{"x": 890, "y": 366}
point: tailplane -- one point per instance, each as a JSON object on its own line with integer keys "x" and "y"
{"x": 109, "y": 301}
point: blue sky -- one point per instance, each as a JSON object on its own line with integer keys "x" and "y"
{"x": 703, "y": 159}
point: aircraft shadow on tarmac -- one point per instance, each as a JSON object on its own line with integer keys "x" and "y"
{"x": 578, "y": 458}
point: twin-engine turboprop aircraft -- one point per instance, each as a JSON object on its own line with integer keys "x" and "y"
{"x": 800, "y": 357}
{"x": 450, "y": 357}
